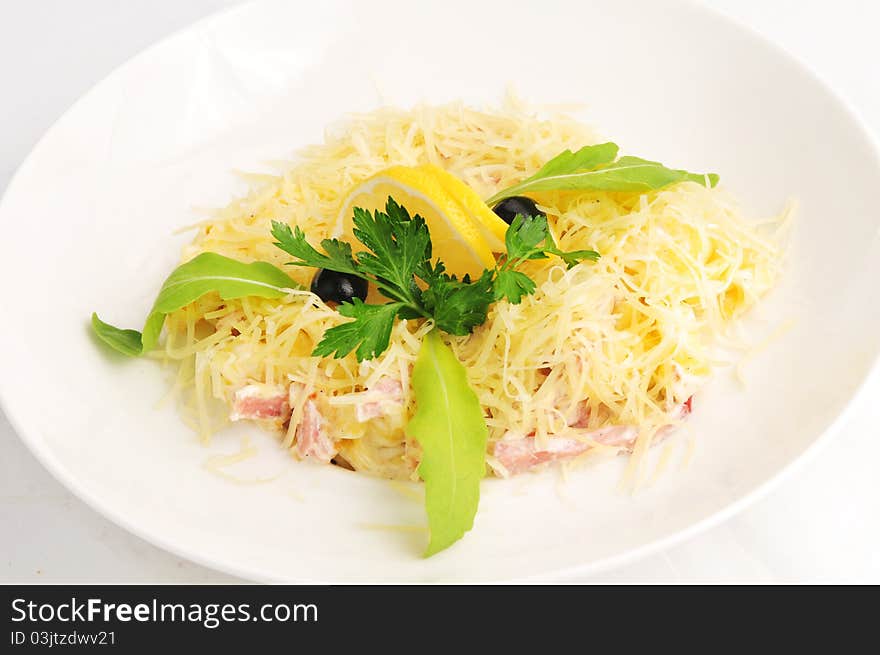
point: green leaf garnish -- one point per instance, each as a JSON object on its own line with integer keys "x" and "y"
{"x": 458, "y": 306}
{"x": 529, "y": 238}
{"x": 293, "y": 242}
{"x": 450, "y": 428}
{"x": 513, "y": 285}
{"x": 593, "y": 168}
{"x": 188, "y": 282}
{"x": 369, "y": 332}
{"x": 398, "y": 247}
{"x": 524, "y": 235}
{"x": 128, "y": 342}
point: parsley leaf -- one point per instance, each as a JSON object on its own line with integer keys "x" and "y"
{"x": 399, "y": 247}
{"x": 572, "y": 257}
{"x": 513, "y": 285}
{"x": 293, "y": 242}
{"x": 524, "y": 234}
{"x": 369, "y": 332}
{"x": 529, "y": 237}
{"x": 458, "y": 306}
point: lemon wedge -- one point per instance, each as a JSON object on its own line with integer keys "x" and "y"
{"x": 457, "y": 239}
{"x": 491, "y": 226}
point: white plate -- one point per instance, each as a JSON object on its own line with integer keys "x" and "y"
{"x": 87, "y": 225}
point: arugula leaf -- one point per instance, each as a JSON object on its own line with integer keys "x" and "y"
{"x": 593, "y": 168}
{"x": 636, "y": 174}
{"x": 369, "y": 332}
{"x": 188, "y": 282}
{"x": 128, "y": 342}
{"x": 449, "y": 426}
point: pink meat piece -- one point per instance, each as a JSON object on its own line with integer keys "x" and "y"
{"x": 260, "y": 401}
{"x": 518, "y": 455}
{"x": 390, "y": 392}
{"x": 312, "y": 440}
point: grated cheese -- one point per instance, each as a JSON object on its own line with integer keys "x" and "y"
{"x": 625, "y": 340}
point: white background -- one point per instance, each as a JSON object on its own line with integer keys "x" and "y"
{"x": 822, "y": 524}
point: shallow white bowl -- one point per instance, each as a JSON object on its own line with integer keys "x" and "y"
{"x": 87, "y": 225}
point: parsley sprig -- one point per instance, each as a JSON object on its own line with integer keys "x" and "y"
{"x": 398, "y": 262}
{"x": 529, "y": 238}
